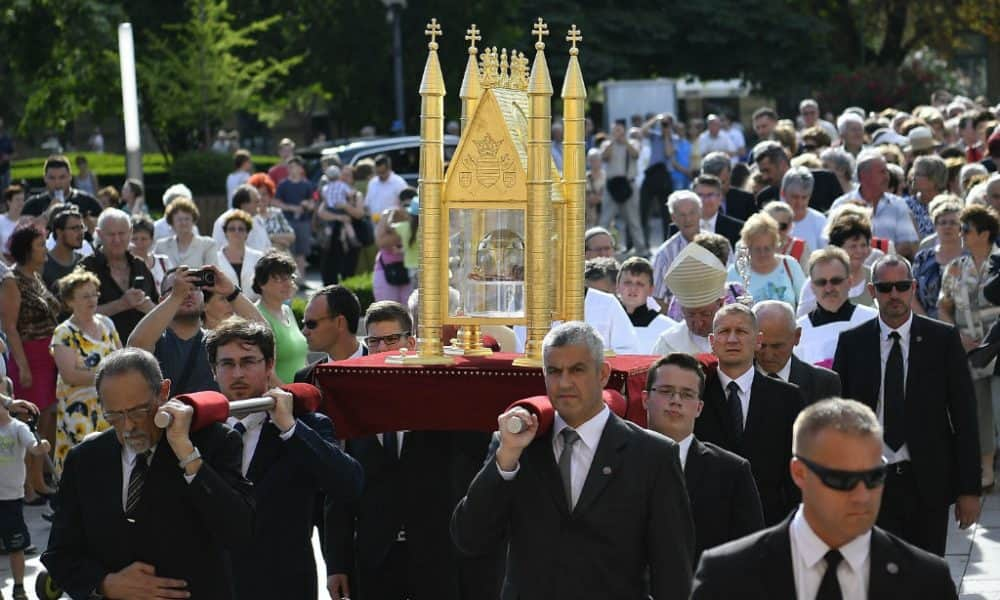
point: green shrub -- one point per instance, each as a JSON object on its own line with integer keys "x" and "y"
{"x": 299, "y": 308}
{"x": 361, "y": 285}
{"x": 203, "y": 172}
{"x": 106, "y": 165}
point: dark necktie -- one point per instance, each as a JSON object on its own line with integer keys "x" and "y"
{"x": 892, "y": 396}
{"x": 391, "y": 445}
{"x": 735, "y": 408}
{"x": 240, "y": 427}
{"x": 569, "y": 437}
{"x": 775, "y": 376}
{"x": 829, "y": 587}
{"x": 136, "y": 480}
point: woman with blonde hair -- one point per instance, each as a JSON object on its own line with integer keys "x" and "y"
{"x": 184, "y": 247}
{"x": 772, "y": 276}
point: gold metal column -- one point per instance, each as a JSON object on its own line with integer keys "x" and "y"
{"x": 538, "y": 268}
{"x": 574, "y": 94}
{"x": 432, "y": 280}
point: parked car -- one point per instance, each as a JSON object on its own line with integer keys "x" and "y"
{"x": 404, "y": 152}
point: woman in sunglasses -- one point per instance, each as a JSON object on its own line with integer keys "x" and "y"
{"x": 963, "y": 304}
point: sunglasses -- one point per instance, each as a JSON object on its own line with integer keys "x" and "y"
{"x": 845, "y": 481}
{"x": 884, "y": 287}
{"x": 314, "y": 323}
{"x": 784, "y": 226}
{"x": 821, "y": 283}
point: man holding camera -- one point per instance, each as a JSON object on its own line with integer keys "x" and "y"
{"x": 173, "y": 330}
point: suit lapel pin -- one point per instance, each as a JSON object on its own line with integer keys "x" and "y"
{"x": 920, "y": 338}
{"x": 606, "y": 470}
{"x": 892, "y": 568}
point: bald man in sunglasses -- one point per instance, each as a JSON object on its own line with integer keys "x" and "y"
{"x": 829, "y": 548}
{"x": 912, "y": 372}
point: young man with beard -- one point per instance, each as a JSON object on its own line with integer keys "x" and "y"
{"x": 173, "y": 330}
{"x": 66, "y": 226}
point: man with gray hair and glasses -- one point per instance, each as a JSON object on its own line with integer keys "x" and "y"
{"x": 144, "y": 511}
{"x": 830, "y": 548}
{"x": 594, "y": 507}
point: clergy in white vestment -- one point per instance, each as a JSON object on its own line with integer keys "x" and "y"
{"x": 697, "y": 279}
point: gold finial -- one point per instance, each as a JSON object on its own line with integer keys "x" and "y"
{"x": 504, "y": 69}
{"x": 489, "y": 60}
{"x": 573, "y": 37}
{"x": 433, "y": 31}
{"x": 540, "y": 29}
{"x": 518, "y": 71}
{"x": 472, "y": 36}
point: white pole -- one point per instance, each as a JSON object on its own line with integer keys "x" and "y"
{"x": 130, "y": 102}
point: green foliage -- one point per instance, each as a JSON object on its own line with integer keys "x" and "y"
{"x": 299, "y": 308}
{"x": 361, "y": 285}
{"x": 197, "y": 74}
{"x": 203, "y": 172}
{"x": 104, "y": 165}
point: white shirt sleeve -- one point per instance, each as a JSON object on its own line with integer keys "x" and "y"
{"x": 508, "y": 475}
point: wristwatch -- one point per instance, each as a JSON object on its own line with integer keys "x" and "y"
{"x": 236, "y": 292}
{"x": 190, "y": 458}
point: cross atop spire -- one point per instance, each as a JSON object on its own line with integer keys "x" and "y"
{"x": 573, "y": 37}
{"x": 472, "y": 36}
{"x": 433, "y": 31}
{"x": 540, "y": 29}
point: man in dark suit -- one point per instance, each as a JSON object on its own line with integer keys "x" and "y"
{"x": 144, "y": 510}
{"x": 830, "y": 549}
{"x": 773, "y": 163}
{"x": 749, "y": 413}
{"x": 709, "y": 189}
{"x": 922, "y": 394}
{"x": 595, "y": 507}
{"x": 724, "y": 499}
{"x": 289, "y": 460}
{"x": 779, "y": 335}
{"x": 392, "y": 543}
{"x": 737, "y": 203}
{"x": 330, "y": 325}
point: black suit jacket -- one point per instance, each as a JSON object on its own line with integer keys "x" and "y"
{"x": 287, "y": 475}
{"x": 305, "y": 374}
{"x": 815, "y": 383}
{"x": 725, "y": 226}
{"x": 740, "y": 204}
{"x": 826, "y": 189}
{"x": 766, "y": 441}
{"x": 632, "y": 518}
{"x": 184, "y": 530}
{"x": 759, "y": 566}
{"x": 724, "y": 499}
{"x": 415, "y": 492}
{"x": 940, "y": 411}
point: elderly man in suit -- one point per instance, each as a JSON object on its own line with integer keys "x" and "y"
{"x": 289, "y": 459}
{"x": 724, "y": 499}
{"x": 749, "y": 413}
{"x": 830, "y": 549}
{"x": 779, "y": 335}
{"x": 922, "y": 394}
{"x": 710, "y": 190}
{"x": 143, "y": 511}
{"x": 595, "y": 507}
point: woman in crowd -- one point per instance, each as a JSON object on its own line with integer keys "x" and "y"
{"x": 389, "y": 263}
{"x": 789, "y": 245}
{"x": 142, "y": 248}
{"x": 133, "y": 200}
{"x": 236, "y": 260}
{"x": 78, "y": 346}
{"x": 34, "y": 371}
{"x": 850, "y": 229}
{"x": 595, "y": 186}
{"x": 85, "y": 179}
{"x": 274, "y": 281}
{"x": 773, "y": 276}
{"x": 929, "y": 262}
{"x": 842, "y": 164}
{"x": 929, "y": 178}
{"x": 278, "y": 230}
{"x": 184, "y": 247}
{"x": 13, "y": 197}
{"x": 963, "y": 304}
{"x": 108, "y": 196}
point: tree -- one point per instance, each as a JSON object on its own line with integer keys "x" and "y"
{"x": 197, "y": 74}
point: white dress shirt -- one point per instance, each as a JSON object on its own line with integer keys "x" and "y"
{"x": 784, "y": 373}
{"x": 128, "y": 463}
{"x": 709, "y": 224}
{"x": 745, "y": 382}
{"x": 399, "y": 441}
{"x": 254, "y": 424}
{"x": 384, "y": 194}
{"x": 809, "y": 566}
{"x": 885, "y": 345}
{"x": 684, "y": 446}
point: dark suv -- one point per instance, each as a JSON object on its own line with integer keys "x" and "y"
{"x": 403, "y": 151}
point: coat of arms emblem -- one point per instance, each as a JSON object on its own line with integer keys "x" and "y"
{"x": 490, "y": 165}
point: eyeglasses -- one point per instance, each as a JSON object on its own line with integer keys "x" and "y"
{"x": 137, "y": 414}
{"x": 884, "y": 287}
{"x": 393, "y": 338}
{"x": 670, "y": 392}
{"x": 245, "y": 363}
{"x": 845, "y": 481}
{"x": 314, "y": 323}
{"x": 821, "y": 283}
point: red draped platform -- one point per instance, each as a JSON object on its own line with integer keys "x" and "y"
{"x": 364, "y": 395}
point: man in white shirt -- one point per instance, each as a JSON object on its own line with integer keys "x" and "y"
{"x": 243, "y": 164}
{"x": 384, "y": 188}
{"x": 830, "y": 548}
{"x": 809, "y": 115}
{"x": 714, "y": 139}
{"x": 807, "y": 223}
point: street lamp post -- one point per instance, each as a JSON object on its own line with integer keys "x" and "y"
{"x": 130, "y": 102}
{"x": 394, "y": 16}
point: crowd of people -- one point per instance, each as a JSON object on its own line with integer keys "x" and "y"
{"x": 852, "y": 257}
